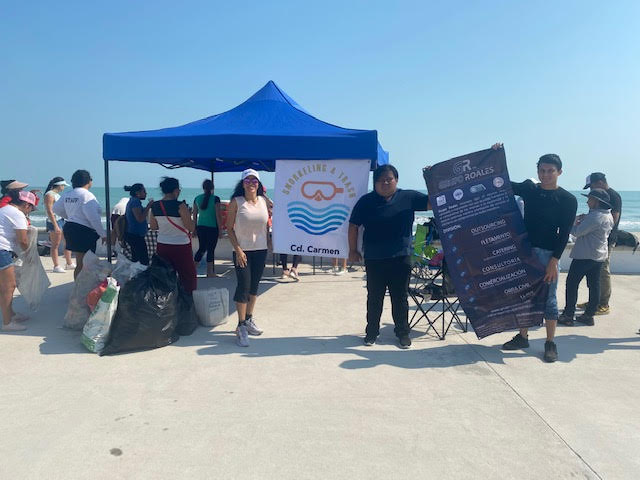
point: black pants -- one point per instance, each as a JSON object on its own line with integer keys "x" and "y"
{"x": 392, "y": 273}
{"x": 249, "y": 276}
{"x": 577, "y": 271}
{"x": 283, "y": 261}
{"x": 138, "y": 248}
{"x": 207, "y": 241}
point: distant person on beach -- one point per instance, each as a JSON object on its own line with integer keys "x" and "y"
{"x": 119, "y": 209}
{"x": 549, "y": 212}
{"x": 248, "y": 230}
{"x": 599, "y": 180}
{"x": 589, "y": 254}
{"x": 83, "y": 217}
{"x": 13, "y": 240}
{"x": 208, "y": 218}
{"x": 293, "y": 272}
{"x": 387, "y": 215}
{"x": 137, "y": 225}
{"x": 338, "y": 269}
{"x": 55, "y": 224}
{"x": 172, "y": 219}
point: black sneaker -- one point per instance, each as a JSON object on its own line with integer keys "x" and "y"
{"x": 516, "y": 343}
{"x": 550, "y": 352}
{"x": 369, "y": 340}
{"x": 585, "y": 319}
{"x": 566, "y": 320}
{"x": 404, "y": 341}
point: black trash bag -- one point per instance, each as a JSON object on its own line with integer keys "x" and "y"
{"x": 187, "y": 318}
{"x": 147, "y": 313}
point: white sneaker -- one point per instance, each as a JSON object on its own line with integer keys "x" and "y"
{"x": 71, "y": 266}
{"x": 13, "y": 327}
{"x": 58, "y": 269}
{"x": 252, "y": 328}
{"x": 242, "y": 336}
{"x": 340, "y": 272}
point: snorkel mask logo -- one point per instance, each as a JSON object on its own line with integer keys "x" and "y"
{"x": 319, "y": 191}
{"x": 318, "y": 220}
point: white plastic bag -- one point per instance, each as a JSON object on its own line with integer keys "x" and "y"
{"x": 93, "y": 272}
{"x": 125, "y": 269}
{"x": 96, "y": 332}
{"x": 31, "y": 279}
{"x": 212, "y": 306}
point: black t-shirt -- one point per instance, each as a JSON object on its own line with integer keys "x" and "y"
{"x": 387, "y": 225}
{"x": 616, "y": 207}
{"x": 172, "y": 207}
{"x": 548, "y": 215}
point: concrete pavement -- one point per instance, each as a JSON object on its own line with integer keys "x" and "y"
{"x": 308, "y": 400}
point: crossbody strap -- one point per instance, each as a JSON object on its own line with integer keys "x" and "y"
{"x": 182, "y": 229}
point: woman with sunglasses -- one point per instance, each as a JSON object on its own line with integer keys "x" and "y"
{"x": 83, "y": 215}
{"x": 248, "y": 230}
{"x": 55, "y": 224}
{"x": 172, "y": 219}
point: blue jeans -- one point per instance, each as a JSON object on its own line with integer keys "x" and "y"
{"x": 6, "y": 259}
{"x": 551, "y": 307}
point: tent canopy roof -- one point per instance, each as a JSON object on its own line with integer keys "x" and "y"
{"x": 268, "y": 126}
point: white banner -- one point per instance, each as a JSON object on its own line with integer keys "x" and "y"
{"x": 312, "y": 204}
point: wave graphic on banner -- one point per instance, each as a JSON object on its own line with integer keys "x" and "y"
{"x": 317, "y": 221}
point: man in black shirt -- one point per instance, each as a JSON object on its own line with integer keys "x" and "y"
{"x": 387, "y": 216}
{"x": 599, "y": 180}
{"x": 549, "y": 213}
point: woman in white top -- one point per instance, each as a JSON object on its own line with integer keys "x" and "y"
{"x": 172, "y": 219}
{"x": 83, "y": 215}
{"x": 56, "y": 223}
{"x": 13, "y": 239}
{"x": 248, "y": 230}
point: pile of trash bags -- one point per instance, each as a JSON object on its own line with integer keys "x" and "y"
{"x": 139, "y": 308}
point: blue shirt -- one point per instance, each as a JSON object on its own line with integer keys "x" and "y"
{"x": 388, "y": 225}
{"x": 134, "y": 226}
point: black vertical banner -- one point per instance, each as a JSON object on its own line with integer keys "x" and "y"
{"x": 497, "y": 278}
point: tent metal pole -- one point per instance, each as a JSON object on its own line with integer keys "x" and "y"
{"x": 108, "y": 211}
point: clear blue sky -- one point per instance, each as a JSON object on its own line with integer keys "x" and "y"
{"x": 436, "y": 79}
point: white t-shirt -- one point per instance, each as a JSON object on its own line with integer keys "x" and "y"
{"x": 80, "y": 206}
{"x": 56, "y": 197}
{"x": 11, "y": 219}
{"x": 120, "y": 208}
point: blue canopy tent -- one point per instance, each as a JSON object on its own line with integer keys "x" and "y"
{"x": 269, "y": 126}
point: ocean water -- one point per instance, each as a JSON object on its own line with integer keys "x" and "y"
{"x": 630, "y": 220}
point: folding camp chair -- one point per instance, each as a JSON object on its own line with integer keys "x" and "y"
{"x": 431, "y": 294}
{"x": 422, "y": 269}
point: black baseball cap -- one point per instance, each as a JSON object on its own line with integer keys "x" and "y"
{"x": 599, "y": 194}
{"x": 594, "y": 177}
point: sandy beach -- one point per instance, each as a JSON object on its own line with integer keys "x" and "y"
{"x": 308, "y": 400}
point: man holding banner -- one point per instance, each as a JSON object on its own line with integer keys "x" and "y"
{"x": 387, "y": 216}
{"x": 549, "y": 213}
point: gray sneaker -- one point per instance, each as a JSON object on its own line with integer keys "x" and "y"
{"x": 252, "y": 328}
{"x": 242, "y": 336}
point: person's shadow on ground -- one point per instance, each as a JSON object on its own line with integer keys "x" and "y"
{"x": 449, "y": 355}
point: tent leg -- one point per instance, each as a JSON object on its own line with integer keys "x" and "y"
{"x": 108, "y": 210}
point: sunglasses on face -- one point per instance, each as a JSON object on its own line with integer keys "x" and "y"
{"x": 250, "y": 181}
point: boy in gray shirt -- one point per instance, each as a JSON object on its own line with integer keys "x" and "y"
{"x": 589, "y": 254}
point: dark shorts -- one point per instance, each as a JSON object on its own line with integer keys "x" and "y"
{"x": 50, "y": 225}
{"x": 79, "y": 238}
